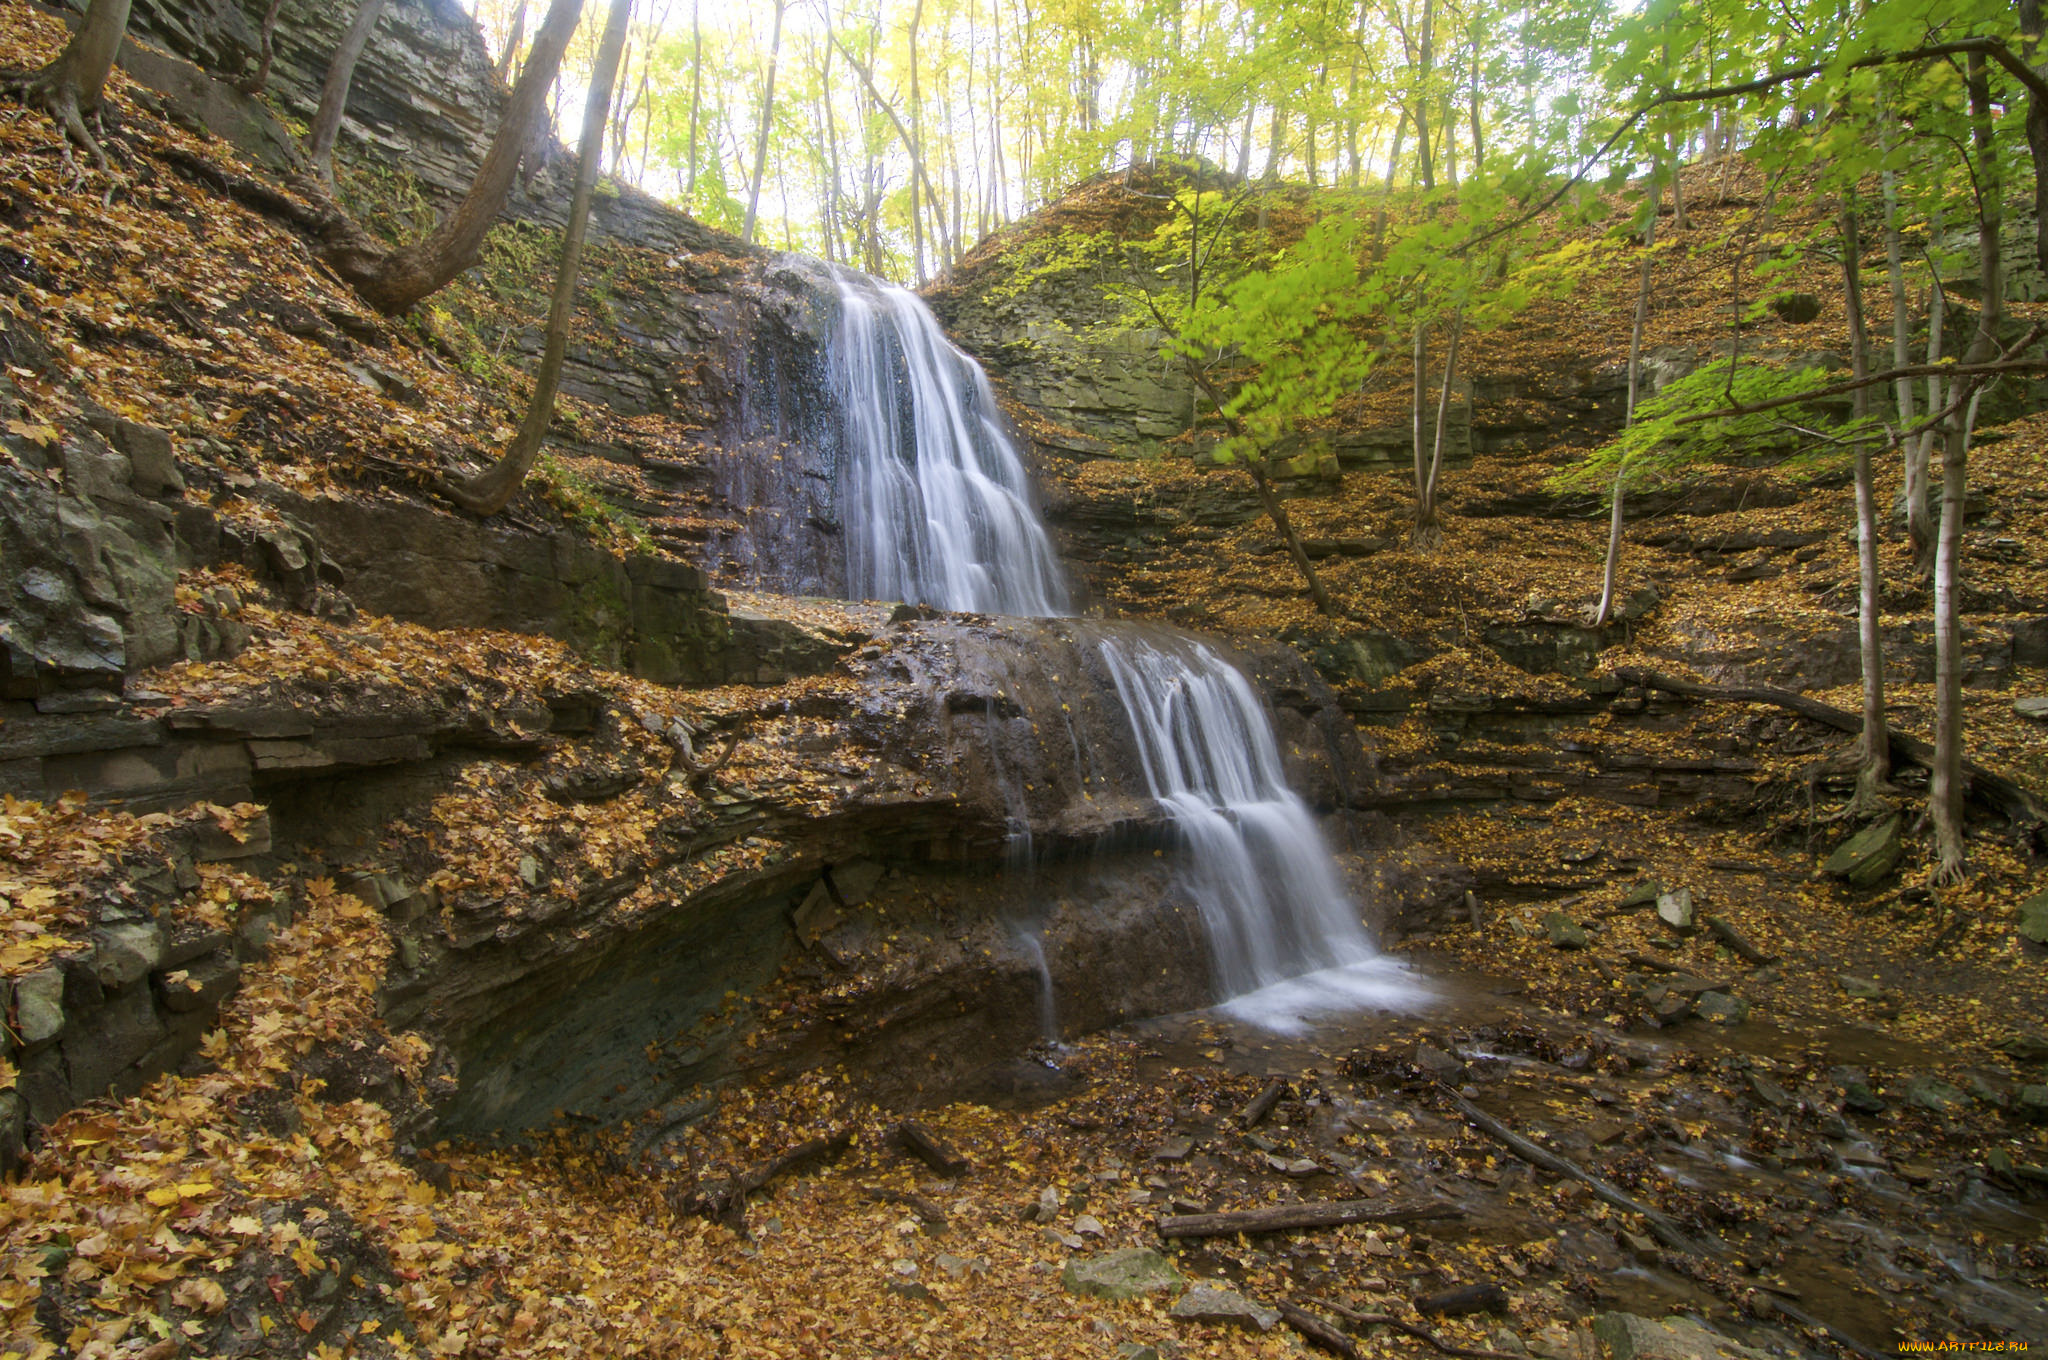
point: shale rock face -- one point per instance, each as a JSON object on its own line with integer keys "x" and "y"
{"x": 988, "y": 747}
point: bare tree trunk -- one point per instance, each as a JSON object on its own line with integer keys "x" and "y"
{"x": 1873, "y": 768}
{"x": 341, "y": 74}
{"x": 1902, "y": 323}
{"x": 491, "y": 490}
{"x": 266, "y": 51}
{"x": 1946, "y": 792}
{"x": 761, "y": 137}
{"x": 1605, "y": 612}
{"x": 510, "y": 56}
{"x": 393, "y": 280}
{"x": 696, "y": 97}
{"x": 68, "y": 89}
{"x": 1428, "y": 532}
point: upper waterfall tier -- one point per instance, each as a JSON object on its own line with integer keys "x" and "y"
{"x": 936, "y": 504}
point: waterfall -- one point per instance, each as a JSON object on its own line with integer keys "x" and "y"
{"x": 937, "y": 509}
{"x": 935, "y": 500}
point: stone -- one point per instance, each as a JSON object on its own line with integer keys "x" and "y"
{"x": 1630, "y": 1337}
{"x": 1565, "y": 933}
{"x": 1642, "y": 894}
{"x": 1721, "y": 1008}
{"x": 856, "y": 881}
{"x": 1868, "y": 856}
{"x": 529, "y": 871}
{"x": 1121, "y": 1275}
{"x": 1131, "y": 1350}
{"x": 1437, "y": 1063}
{"x": 1223, "y": 1307}
{"x": 1863, "y": 989}
{"x": 1794, "y": 309}
{"x": 1088, "y": 1225}
{"x": 39, "y": 1006}
{"x": 200, "y": 985}
{"x": 2034, "y": 708}
{"x": 126, "y": 953}
{"x": 1934, "y": 1095}
{"x": 2032, "y": 1103}
{"x": 1675, "y": 910}
{"x": 1174, "y": 1149}
{"x": 2034, "y": 918}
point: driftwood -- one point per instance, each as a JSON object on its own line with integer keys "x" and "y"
{"x": 921, "y": 1143}
{"x": 1422, "y": 1334}
{"x": 1664, "y": 1229}
{"x": 1466, "y": 1298}
{"x": 1655, "y": 965}
{"x": 1284, "y": 1217}
{"x": 1263, "y": 1103}
{"x": 1737, "y": 942}
{"x": 1317, "y": 1332}
{"x": 1994, "y": 790}
{"x": 726, "y": 1201}
{"x": 928, "y": 1212}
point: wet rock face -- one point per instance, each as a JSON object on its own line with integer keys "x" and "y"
{"x": 899, "y": 930}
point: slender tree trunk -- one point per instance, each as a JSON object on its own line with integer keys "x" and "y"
{"x": 1873, "y": 767}
{"x": 1425, "y": 166}
{"x": 266, "y": 51}
{"x": 1946, "y": 793}
{"x": 1635, "y": 338}
{"x": 69, "y": 88}
{"x": 914, "y": 144}
{"x": 1921, "y": 531}
{"x": 1276, "y": 511}
{"x": 1428, "y": 531}
{"x": 696, "y": 97}
{"x": 1603, "y": 615}
{"x": 1902, "y": 321}
{"x": 510, "y": 56}
{"x": 341, "y": 74}
{"x": 493, "y": 489}
{"x": 394, "y": 280}
{"x": 761, "y": 137}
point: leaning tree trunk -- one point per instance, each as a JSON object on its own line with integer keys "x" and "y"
{"x": 490, "y": 491}
{"x": 1946, "y": 791}
{"x": 69, "y": 87}
{"x": 341, "y": 74}
{"x": 393, "y": 280}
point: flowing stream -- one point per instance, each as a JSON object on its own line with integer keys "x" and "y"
{"x": 938, "y": 509}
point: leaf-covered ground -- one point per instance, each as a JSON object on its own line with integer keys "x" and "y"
{"x": 273, "y": 1198}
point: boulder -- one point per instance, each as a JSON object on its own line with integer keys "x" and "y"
{"x": 1866, "y": 857}
{"x": 39, "y": 1006}
{"x": 1565, "y": 933}
{"x": 1629, "y": 1337}
{"x": 2034, "y": 709}
{"x": 1675, "y": 910}
{"x": 2034, "y": 918}
{"x": 1121, "y": 1275}
{"x": 1721, "y": 1008}
{"x": 1224, "y": 1307}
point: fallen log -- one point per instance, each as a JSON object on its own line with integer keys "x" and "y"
{"x": 1263, "y": 1103}
{"x": 726, "y": 1201}
{"x": 928, "y": 1212}
{"x": 1466, "y": 1298}
{"x": 1286, "y": 1217}
{"x": 1663, "y": 1228}
{"x": 1994, "y": 790}
{"x": 1317, "y": 1332}
{"x": 1738, "y": 943}
{"x": 921, "y": 1143}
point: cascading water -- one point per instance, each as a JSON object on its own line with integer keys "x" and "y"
{"x": 936, "y": 503}
{"x": 938, "y": 510}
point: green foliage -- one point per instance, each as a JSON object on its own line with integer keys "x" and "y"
{"x": 580, "y": 501}
{"x": 1665, "y": 443}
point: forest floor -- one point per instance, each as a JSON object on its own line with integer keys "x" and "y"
{"x": 1865, "y": 1147}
